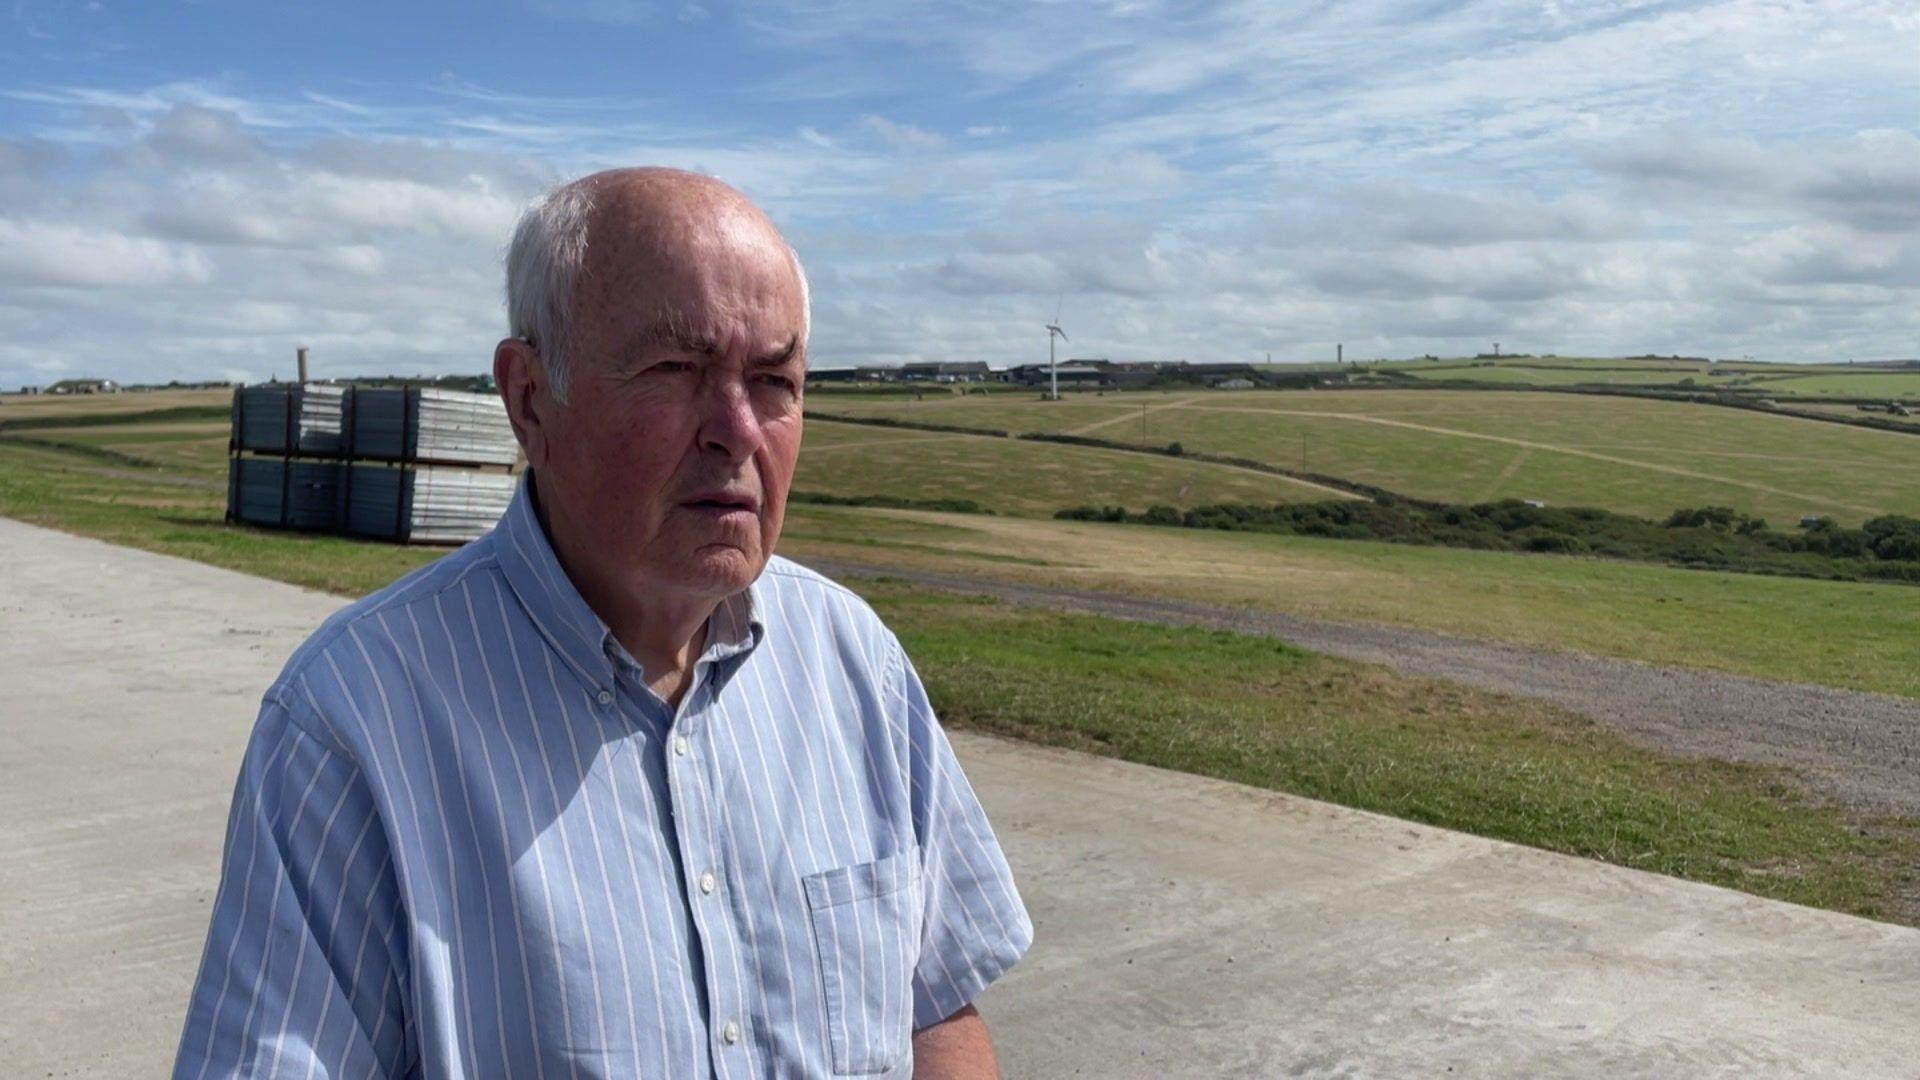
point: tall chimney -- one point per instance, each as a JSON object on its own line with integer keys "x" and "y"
{"x": 301, "y": 352}
{"x": 1339, "y": 354}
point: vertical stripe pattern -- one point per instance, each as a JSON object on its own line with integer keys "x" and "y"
{"x": 468, "y": 840}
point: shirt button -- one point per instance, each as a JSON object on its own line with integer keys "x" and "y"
{"x": 731, "y": 1032}
{"x": 605, "y": 697}
{"x": 680, "y": 745}
{"x": 706, "y": 883}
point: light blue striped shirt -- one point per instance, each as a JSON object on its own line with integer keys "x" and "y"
{"x": 468, "y": 840}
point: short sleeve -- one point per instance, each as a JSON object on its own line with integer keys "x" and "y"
{"x": 303, "y": 973}
{"x": 975, "y": 926}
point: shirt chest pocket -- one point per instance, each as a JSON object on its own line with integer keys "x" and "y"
{"x": 866, "y": 933}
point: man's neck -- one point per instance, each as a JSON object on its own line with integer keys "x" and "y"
{"x": 664, "y": 634}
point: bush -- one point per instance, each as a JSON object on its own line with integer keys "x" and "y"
{"x": 1556, "y": 544}
{"x": 1894, "y": 537}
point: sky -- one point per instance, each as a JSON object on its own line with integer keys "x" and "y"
{"x": 190, "y": 190}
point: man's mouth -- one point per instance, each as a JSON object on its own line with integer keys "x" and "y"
{"x": 723, "y": 502}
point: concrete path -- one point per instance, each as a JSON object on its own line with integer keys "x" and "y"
{"x": 1186, "y": 927}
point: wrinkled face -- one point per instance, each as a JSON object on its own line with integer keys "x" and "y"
{"x": 677, "y": 443}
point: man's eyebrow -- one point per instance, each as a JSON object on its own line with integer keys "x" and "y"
{"x": 670, "y": 332}
{"x": 775, "y": 359}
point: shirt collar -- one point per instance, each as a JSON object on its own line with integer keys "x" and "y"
{"x": 563, "y": 616}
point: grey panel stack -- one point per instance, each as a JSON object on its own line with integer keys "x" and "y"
{"x": 318, "y": 433}
{"x": 447, "y": 426}
{"x": 425, "y": 505}
{"x": 274, "y": 491}
{"x": 262, "y": 416}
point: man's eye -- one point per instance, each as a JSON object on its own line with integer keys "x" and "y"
{"x": 670, "y": 367}
{"x": 780, "y": 381}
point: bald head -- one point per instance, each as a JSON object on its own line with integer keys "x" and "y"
{"x": 627, "y": 242}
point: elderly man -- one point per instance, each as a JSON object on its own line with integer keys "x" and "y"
{"x": 613, "y": 791}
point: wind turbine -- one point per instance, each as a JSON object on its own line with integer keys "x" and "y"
{"x": 1053, "y": 331}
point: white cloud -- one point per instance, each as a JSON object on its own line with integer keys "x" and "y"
{"x": 903, "y": 137}
{"x": 40, "y": 253}
{"x": 1132, "y": 173}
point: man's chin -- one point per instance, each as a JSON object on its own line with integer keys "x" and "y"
{"x": 721, "y": 569}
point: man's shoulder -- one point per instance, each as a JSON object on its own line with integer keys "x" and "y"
{"x": 367, "y": 622}
{"x": 801, "y": 593}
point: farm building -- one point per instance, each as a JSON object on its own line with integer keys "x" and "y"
{"x": 84, "y": 386}
{"x": 1132, "y": 374}
{"x": 1209, "y": 374}
{"x": 852, "y": 374}
{"x": 1071, "y": 373}
{"x": 946, "y": 371}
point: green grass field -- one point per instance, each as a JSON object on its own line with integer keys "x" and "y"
{"x": 1845, "y": 634}
{"x": 1013, "y": 476}
{"x": 1851, "y": 635}
{"x": 1624, "y": 454}
{"x": 1258, "y": 712}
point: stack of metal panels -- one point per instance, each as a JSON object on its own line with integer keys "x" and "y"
{"x": 446, "y": 426}
{"x": 425, "y": 505}
{"x": 295, "y": 494}
{"x": 300, "y": 419}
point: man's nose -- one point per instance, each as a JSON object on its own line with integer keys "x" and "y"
{"x": 728, "y": 423}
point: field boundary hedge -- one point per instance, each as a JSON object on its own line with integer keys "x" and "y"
{"x": 1886, "y": 548}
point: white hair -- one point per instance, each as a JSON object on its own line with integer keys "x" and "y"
{"x": 543, "y": 262}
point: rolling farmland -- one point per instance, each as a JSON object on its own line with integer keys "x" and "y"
{"x": 1629, "y": 455}
{"x": 162, "y": 483}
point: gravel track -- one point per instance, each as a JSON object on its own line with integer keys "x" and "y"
{"x": 1860, "y": 749}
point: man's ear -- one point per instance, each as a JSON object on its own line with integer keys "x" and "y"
{"x": 522, "y": 381}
